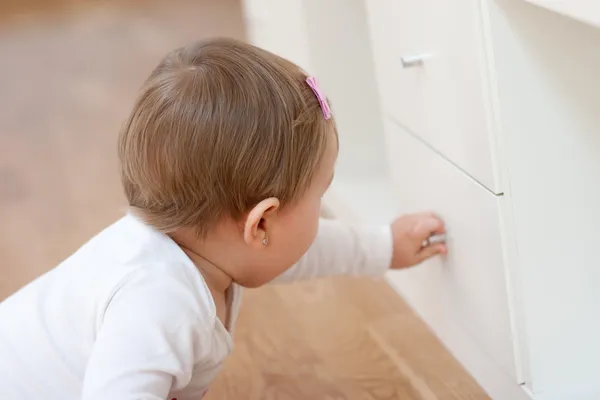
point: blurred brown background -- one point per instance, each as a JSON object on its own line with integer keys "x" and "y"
{"x": 69, "y": 71}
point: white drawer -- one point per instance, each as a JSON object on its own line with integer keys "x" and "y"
{"x": 444, "y": 101}
{"x": 467, "y": 289}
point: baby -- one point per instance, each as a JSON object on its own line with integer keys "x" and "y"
{"x": 224, "y": 160}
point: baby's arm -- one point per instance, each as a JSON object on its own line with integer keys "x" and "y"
{"x": 148, "y": 342}
{"x": 343, "y": 249}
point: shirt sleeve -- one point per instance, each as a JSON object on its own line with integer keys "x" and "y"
{"x": 148, "y": 342}
{"x": 343, "y": 249}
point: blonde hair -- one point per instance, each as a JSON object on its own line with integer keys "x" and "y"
{"x": 219, "y": 126}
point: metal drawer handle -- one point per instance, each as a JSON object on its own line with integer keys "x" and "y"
{"x": 413, "y": 61}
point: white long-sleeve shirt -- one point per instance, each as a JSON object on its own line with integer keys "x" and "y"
{"x": 129, "y": 317}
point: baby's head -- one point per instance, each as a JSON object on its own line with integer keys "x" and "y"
{"x": 228, "y": 143}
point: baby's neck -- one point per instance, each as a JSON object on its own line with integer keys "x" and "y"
{"x": 217, "y": 280}
{"x": 215, "y": 276}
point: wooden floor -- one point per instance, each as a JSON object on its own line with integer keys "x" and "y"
{"x": 68, "y": 75}
{"x": 337, "y": 339}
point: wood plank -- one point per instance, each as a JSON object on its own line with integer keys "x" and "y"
{"x": 430, "y": 368}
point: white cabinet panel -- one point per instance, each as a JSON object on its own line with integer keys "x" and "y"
{"x": 549, "y": 89}
{"x": 444, "y": 99}
{"x": 583, "y": 10}
{"x": 468, "y": 288}
{"x": 259, "y": 10}
{"x": 279, "y": 27}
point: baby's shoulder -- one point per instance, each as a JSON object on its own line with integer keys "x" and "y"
{"x": 165, "y": 293}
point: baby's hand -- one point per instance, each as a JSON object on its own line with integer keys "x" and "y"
{"x": 409, "y": 232}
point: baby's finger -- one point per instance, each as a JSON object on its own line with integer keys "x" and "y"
{"x": 430, "y": 226}
{"x": 431, "y": 251}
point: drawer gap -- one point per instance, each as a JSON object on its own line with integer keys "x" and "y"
{"x": 417, "y": 137}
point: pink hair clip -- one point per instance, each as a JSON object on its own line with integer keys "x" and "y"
{"x": 314, "y": 85}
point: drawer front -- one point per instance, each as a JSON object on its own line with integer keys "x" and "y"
{"x": 468, "y": 288}
{"x": 444, "y": 100}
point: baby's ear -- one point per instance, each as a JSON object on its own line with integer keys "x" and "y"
{"x": 256, "y": 226}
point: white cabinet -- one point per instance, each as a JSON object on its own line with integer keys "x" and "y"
{"x": 430, "y": 64}
{"x": 497, "y": 130}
